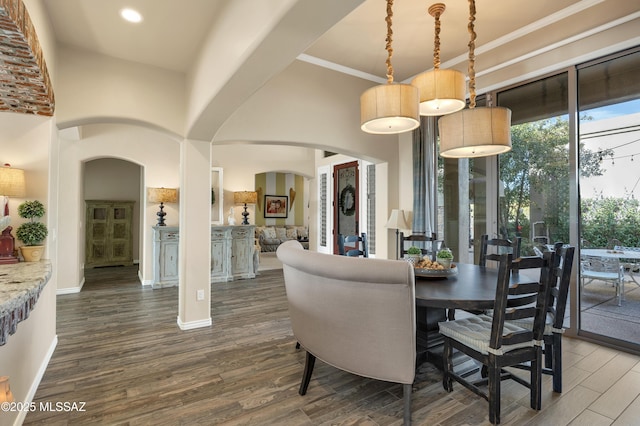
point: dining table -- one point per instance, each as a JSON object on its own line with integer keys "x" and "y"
{"x": 438, "y": 296}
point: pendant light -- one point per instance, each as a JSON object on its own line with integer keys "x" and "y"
{"x": 389, "y": 108}
{"x": 475, "y": 132}
{"x": 441, "y": 91}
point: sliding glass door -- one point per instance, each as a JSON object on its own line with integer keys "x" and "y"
{"x": 609, "y": 136}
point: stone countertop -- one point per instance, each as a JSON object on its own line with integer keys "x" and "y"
{"x": 20, "y": 286}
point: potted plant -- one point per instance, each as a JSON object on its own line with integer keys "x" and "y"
{"x": 444, "y": 257}
{"x": 33, "y": 232}
{"x": 413, "y": 255}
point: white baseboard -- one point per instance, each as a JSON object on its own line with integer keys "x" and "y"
{"x": 70, "y": 290}
{"x": 194, "y": 324}
{"x": 143, "y": 281}
{"x": 36, "y": 381}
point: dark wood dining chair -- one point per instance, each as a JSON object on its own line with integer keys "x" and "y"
{"x": 492, "y": 248}
{"x": 495, "y": 342}
{"x": 427, "y": 243}
{"x": 353, "y": 245}
{"x": 556, "y": 308}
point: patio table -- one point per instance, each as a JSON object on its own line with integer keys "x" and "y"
{"x": 616, "y": 254}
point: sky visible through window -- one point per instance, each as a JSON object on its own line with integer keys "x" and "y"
{"x": 615, "y": 127}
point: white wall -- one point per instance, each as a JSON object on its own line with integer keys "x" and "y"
{"x": 118, "y": 180}
{"x": 157, "y": 153}
{"x": 24, "y": 143}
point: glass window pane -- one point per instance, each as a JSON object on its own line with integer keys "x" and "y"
{"x": 609, "y": 135}
{"x": 534, "y": 175}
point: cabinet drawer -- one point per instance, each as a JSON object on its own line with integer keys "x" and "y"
{"x": 169, "y": 236}
{"x": 242, "y": 233}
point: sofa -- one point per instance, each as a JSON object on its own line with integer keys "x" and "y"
{"x": 270, "y": 237}
{"x": 356, "y": 314}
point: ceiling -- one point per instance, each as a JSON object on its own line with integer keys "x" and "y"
{"x": 173, "y": 30}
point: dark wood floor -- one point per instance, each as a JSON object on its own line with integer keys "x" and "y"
{"x": 121, "y": 352}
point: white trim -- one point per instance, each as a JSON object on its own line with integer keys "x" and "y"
{"x": 70, "y": 290}
{"x": 340, "y": 68}
{"x": 145, "y": 283}
{"x": 194, "y": 324}
{"x": 37, "y": 379}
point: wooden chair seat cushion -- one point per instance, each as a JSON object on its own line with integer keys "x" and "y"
{"x": 528, "y": 324}
{"x": 475, "y": 332}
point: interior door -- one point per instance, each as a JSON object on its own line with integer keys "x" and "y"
{"x": 346, "y": 201}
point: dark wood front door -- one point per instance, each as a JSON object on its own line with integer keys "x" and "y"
{"x": 346, "y": 201}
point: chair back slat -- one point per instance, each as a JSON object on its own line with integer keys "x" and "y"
{"x": 428, "y": 244}
{"x": 491, "y": 249}
{"x": 353, "y": 245}
{"x": 535, "y": 293}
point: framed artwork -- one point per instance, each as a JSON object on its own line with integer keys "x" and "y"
{"x": 276, "y": 206}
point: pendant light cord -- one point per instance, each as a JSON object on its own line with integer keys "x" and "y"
{"x": 389, "y": 40}
{"x": 436, "y": 10}
{"x": 472, "y": 58}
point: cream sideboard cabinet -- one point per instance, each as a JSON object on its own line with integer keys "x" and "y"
{"x": 232, "y": 250}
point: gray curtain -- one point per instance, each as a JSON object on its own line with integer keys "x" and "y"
{"x": 424, "y": 177}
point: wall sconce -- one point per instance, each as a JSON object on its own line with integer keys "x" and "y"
{"x": 245, "y": 197}
{"x": 12, "y": 184}
{"x": 162, "y": 195}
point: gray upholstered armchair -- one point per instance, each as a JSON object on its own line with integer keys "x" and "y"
{"x": 356, "y": 314}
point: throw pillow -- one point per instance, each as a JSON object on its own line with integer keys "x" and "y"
{"x": 292, "y": 234}
{"x": 269, "y": 233}
{"x": 302, "y": 232}
{"x": 281, "y": 233}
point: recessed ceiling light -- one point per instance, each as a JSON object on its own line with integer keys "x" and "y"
{"x": 131, "y": 15}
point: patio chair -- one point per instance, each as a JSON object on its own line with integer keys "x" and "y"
{"x": 608, "y": 269}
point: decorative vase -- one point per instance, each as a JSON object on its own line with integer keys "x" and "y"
{"x": 32, "y": 253}
{"x": 413, "y": 258}
{"x": 446, "y": 263}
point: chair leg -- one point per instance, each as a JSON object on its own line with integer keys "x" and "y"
{"x": 536, "y": 380}
{"x": 406, "y": 391}
{"x": 557, "y": 362}
{"x": 447, "y": 359}
{"x": 494, "y": 391}
{"x": 306, "y": 376}
{"x": 548, "y": 352}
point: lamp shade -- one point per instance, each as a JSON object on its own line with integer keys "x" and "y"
{"x": 5, "y": 390}
{"x": 245, "y": 197}
{"x": 441, "y": 91}
{"x": 162, "y": 195}
{"x": 397, "y": 220}
{"x": 12, "y": 182}
{"x": 475, "y": 132}
{"x": 389, "y": 108}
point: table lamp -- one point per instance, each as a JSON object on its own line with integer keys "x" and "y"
{"x": 162, "y": 195}
{"x": 245, "y": 197}
{"x": 12, "y": 184}
{"x": 5, "y": 390}
{"x": 397, "y": 221}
